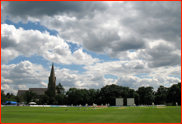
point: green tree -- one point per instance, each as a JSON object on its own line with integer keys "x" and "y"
{"x": 108, "y": 93}
{"x": 146, "y": 95}
{"x": 73, "y": 96}
{"x": 52, "y": 101}
{"x": 174, "y": 94}
{"x": 3, "y": 96}
{"x": 10, "y": 97}
{"x": 50, "y": 93}
{"x": 19, "y": 99}
{"x": 28, "y": 96}
{"x": 51, "y": 97}
{"x": 60, "y": 89}
{"x": 93, "y": 96}
{"x": 160, "y": 95}
{"x": 60, "y": 99}
{"x": 135, "y": 95}
{"x": 44, "y": 99}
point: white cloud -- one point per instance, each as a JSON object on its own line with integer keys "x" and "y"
{"x": 17, "y": 42}
{"x": 8, "y": 54}
{"x": 23, "y": 73}
{"x": 119, "y": 68}
{"x": 4, "y": 86}
{"x": 5, "y": 81}
{"x": 8, "y": 89}
{"x": 44, "y": 85}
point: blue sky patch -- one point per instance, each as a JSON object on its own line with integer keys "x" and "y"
{"x": 31, "y": 26}
{"x": 107, "y": 76}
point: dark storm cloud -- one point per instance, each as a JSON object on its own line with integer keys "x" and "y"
{"x": 128, "y": 44}
{"x": 7, "y": 42}
{"x": 98, "y": 77}
{"x": 102, "y": 39}
{"x": 168, "y": 60}
{"x": 156, "y": 20}
{"x": 163, "y": 55}
{"x": 138, "y": 67}
{"x": 80, "y": 9}
{"x": 97, "y": 41}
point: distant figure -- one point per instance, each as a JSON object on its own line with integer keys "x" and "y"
{"x": 153, "y": 105}
{"x": 176, "y": 104}
{"x": 86, "y": 105}
{"x": 71, "y": 105}
{"x": 79, "y": 107}
{"x": 106, "y": 105}
{"x": 101, "y": 105}
{"x": 94, "y": 106}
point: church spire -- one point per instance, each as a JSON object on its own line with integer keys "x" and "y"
{"x": 52, "y": 71}
{"x": 52, "y": 80}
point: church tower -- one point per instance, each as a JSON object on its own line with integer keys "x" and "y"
{"x": 52, "y": 80}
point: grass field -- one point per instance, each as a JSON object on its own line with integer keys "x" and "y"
{"x": 169, "y": 114}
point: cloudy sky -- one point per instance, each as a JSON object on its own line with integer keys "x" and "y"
{"x": 92, "y": 44}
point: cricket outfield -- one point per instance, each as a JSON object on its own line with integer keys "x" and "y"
{"x": 167, "y": 114}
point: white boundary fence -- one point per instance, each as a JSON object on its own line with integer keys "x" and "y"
{"x": 48, "y": 106}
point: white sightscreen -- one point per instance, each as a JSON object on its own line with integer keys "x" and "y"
{"x": 119, "y": 101}
{"x": 130, "y": 101}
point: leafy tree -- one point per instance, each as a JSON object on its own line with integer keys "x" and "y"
{"x": 174, "y": 94}
{"x": 75, "y": 96}
{"x": 50, "y": 93}
{"x": 52, "y": 101}
{"x": 60, "y": 89}
{"x": 3, "y": 96}
{"x": 135, "y": 95}
{"x": 93, "y": 96}
{"x": 45, "y": 99}
{"x": 149, "y": 96}
{"x": 19, "y": 99}
{"x": 146, "y": 95}
{"x": 60, "y": 99}
{"x": 110, "y": 92}
{"x": 10, "y": 97}
{"x": 160, "y": 95}
{"x": 28, "y": 96}
{"x": 51, "y": 97}
{"x": 125, "y": 94}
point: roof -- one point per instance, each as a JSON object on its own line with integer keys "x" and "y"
{"x": 38, "y": 91}
{"x": 20, "y": 92}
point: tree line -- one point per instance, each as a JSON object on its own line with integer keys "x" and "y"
{"x": 107, "y": 94}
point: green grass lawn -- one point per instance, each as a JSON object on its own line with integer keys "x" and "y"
{"x": 169, "y": 114}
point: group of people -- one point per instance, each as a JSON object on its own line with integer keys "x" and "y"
{"x": 176, "y": 104}
{"x": 107, "y": 105}
{"x": 94, "y": 106}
